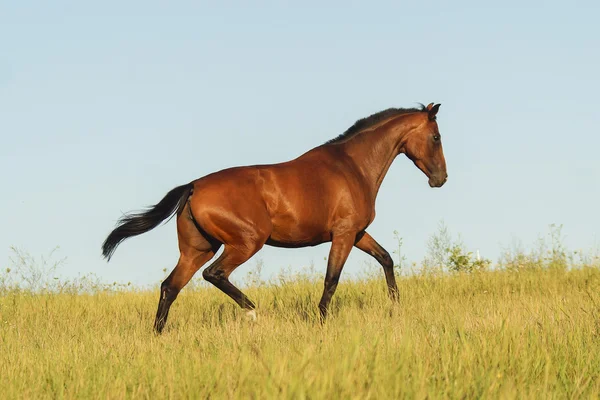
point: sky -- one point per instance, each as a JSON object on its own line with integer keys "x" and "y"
{"x": 106, "y": 106}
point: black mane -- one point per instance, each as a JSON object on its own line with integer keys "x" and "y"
{"x": 374, "y": 119}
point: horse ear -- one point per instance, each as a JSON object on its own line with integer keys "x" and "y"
{"x": 433, "y": 111}
{"x": 429, "y": 106}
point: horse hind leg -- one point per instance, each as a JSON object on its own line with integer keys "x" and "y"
{"x": 179, "y": 277}
{"x": 195, "y": 251}
{"x": 218, "y": 274}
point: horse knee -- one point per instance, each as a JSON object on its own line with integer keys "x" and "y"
{"x": 331, "y": 282}
{"x": 168, "y": 292}
{"x": 386, "y": 260}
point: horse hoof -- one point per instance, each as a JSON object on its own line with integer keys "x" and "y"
{"x": 251, "y": 315}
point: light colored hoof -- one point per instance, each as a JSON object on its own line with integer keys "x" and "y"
{"x": 251, "y": 315}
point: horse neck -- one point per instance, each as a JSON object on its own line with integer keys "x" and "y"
{"x": 373, "y": 152}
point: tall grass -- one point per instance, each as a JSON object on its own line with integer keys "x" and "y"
{"x": 528, "y": 329}
{"x": 516, "y": 334}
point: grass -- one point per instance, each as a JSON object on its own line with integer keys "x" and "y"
{"x": 489, "y": 334}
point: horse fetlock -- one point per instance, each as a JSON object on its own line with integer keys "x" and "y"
{"x": 394, "y": 294}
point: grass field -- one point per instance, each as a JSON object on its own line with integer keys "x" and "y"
{"x": 492, "y": 334}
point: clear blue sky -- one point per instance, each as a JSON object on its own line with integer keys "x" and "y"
{"x": 105, "y": 107}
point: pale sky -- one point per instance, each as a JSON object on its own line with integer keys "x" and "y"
{"x": 105, "y": 107}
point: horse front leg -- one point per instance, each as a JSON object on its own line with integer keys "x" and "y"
{"x": 374, "y": 249}
{"x": 338, "y": 254}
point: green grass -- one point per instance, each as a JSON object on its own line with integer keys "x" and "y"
{"x": 519, "y": 334}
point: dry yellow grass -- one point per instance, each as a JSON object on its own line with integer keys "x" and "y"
{"x": 528, "y": 334}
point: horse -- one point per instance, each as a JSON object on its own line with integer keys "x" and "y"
{"x": 325, "y": 195}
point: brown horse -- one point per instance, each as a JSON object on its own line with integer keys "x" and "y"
{"x": 325, "y": 195}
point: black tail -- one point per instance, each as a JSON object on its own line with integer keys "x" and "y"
{"x": 137, "y": 223}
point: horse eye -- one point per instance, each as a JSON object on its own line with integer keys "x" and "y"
{"x": 436, "y": 137}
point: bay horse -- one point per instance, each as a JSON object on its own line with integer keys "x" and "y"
{"x": 325, "y": 195}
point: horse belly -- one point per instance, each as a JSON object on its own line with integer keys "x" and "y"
{"x": 288, "y": 240}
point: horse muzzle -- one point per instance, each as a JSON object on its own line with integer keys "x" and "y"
{"x": 438, "y": 180}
